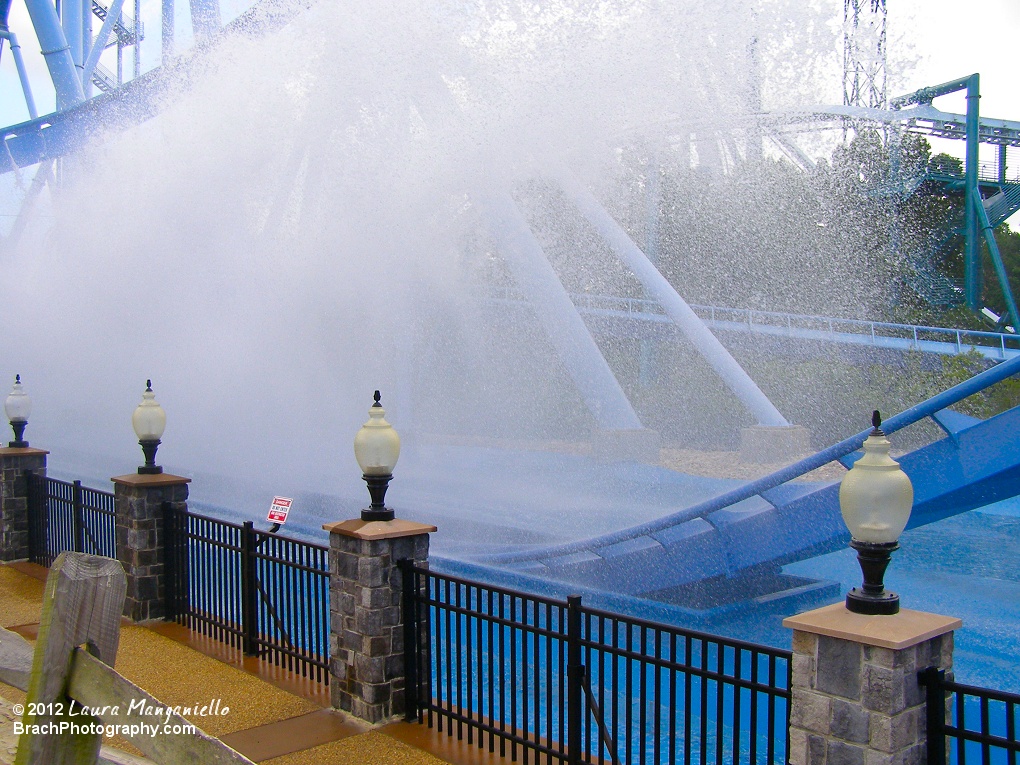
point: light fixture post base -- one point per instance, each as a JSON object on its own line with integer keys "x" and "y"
{"x": 19, "y": 442}
{"x": 149, "y": 451}
{"x": 377, "y": 485}
{"x": 872, "y": 598}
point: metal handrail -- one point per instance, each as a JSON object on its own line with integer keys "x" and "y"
{"x": 876, "y": 330}
{"x": 907, "y": 417}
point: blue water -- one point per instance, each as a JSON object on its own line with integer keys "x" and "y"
{"x": 966, "y": 566}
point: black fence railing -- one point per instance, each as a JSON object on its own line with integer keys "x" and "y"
{"x": 68, "y": 516}
{"x": 541, "y": 679}
{"x": 261, "y": 592}
{"x": 966, "y": 724}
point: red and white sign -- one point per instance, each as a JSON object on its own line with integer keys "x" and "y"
{"x": 279, "y": 509}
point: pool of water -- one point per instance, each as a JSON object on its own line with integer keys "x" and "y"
{"x": 482, "y": 499}
{"x": 966, "y": 566}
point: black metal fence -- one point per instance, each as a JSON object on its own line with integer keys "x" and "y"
{"x": 969, "y": 724}
{"x": 68, "y": 516}
{"x": 266, "y": 594}
{"x": 537, "y": 678}
{"x": 530, "y": 677}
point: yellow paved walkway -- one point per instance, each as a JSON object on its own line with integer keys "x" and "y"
{"x": 288, "y": 725}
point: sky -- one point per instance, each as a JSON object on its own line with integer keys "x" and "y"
{"x": 951, "y": 40}
{"x": 954, "y": 39}
{"x": 930, "y": 41}
{"x": 947, "y": 38}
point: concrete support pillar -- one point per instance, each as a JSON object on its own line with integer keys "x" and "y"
{"x": 138, "y": 501}
{"x": 856, "y": 699}
{"x": 15, "y": 466}
{"x": 366, "y": 641}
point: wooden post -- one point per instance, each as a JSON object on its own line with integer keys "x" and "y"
{"x": 82, "y": 604}
{"x": 15, "y": 659}
{"x": 83, "y": 601}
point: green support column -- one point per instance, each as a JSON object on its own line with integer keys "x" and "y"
{"x": 972, "y": 253}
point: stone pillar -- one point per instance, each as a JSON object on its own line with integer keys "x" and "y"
{"x": 856, "y": 699}
{"x": 366, "y": 641}
{"x": 15, "y": 465}
{"x": 138, "y": 501}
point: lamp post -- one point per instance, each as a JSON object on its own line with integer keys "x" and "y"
{"x": 875, "y": 498}
{"x": 149, "y": 422}
{"x": 377, "y": 447}
{"x": 18, "y": 406}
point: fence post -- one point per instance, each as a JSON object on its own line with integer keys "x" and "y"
{"x": 170, "y": 610}
{"x": 249, "y": 592}
{"x": 77, "y": 518}
{"x": 38, "y": 516}
{"x": 175, "y": 561}
{"x": 366, "y": 640}
{"x": 933, "y": 679}
{"x": 141, "y": 538}
{"x": 855, "y": 695}
{"x": 16, "y": 465}
{"x": 575, "y": 669}
{"x": 412, "y": 638}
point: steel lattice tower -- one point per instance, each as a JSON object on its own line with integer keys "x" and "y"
{"x": 864, "y": 53}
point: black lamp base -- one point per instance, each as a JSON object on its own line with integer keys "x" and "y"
{"x": 19, "y": 441}
{"x": 377, "y": 511}
{"x": 859, "y": 602}
{"x": 149, "y": 451}
{"x": 872, "y": 598}
{"x": 377, "y": 515}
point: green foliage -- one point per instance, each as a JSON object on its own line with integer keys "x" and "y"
{"x": 945, "y": 164}
{"x": 989, "y": 402}
{"x": 1008, "y": 242}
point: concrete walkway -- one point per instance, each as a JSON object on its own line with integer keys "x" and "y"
{"x": 274, "y": 716}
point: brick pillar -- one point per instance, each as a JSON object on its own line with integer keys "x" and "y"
{"x": 856, "y": 699}
{"x": 15, "y": 465}
{"x": 366, "y": 641}
{"x": 138, "y": 500}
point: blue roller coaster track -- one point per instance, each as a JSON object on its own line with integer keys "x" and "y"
{"x": 778, "y": 519}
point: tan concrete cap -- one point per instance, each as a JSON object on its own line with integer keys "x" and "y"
{"x": 150, "y": 479}
{"x": 360, "y": 529}
{"x": 14, "y": 451}
{"x": 902, "y": 630}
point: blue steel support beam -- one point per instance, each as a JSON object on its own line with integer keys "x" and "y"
{"x": 112, "y": 17}
{"x": 731, "y": 373}
{"x": 72, "y": 19}
{"x": 57, "y": 53}
{"x": 19, "y": 64}
{"x": 927, "y": 95}
{"x": 1000, "y": 270}
{"x": 972, "y": 251}
{"x": 205, "y": 18}
{"x": 972, "y": 280}
{"x": 168, "y": 30}
{"x": 536, "y": 278}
